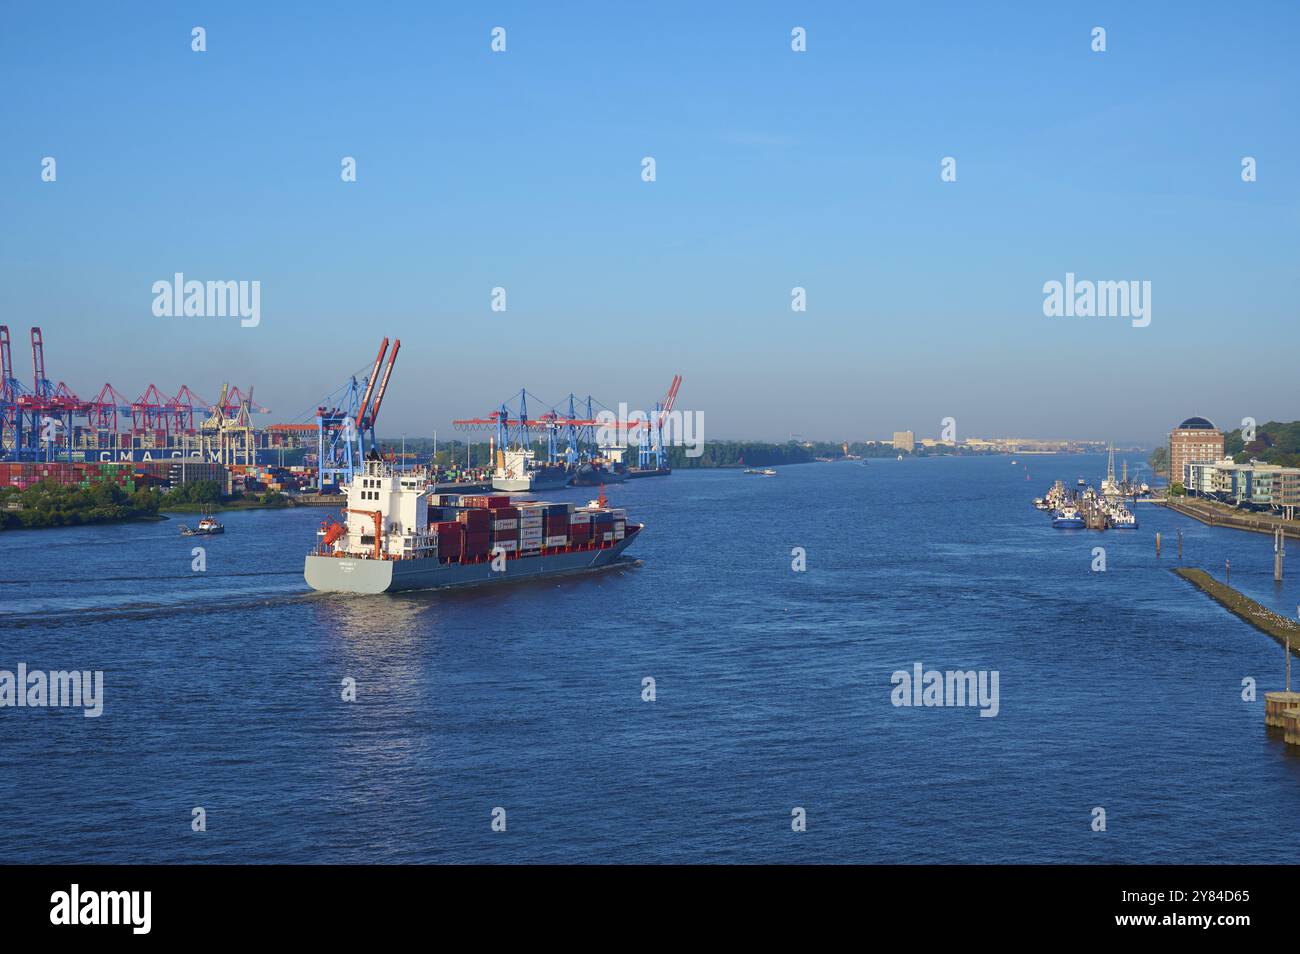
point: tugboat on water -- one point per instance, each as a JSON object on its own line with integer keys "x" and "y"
{"x": 1122, "y": 518}
{"x": 208, "y": 526}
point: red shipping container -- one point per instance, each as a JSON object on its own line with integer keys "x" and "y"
{"x": 476, "y": 545}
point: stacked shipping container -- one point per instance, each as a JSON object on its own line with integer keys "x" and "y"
{"x": 470, "y": 527}
{"x": 80, "y": 475}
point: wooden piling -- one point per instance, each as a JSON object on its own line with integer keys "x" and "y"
{"x": 1276, "y": 704}
{"x": 1157, "y": 543}
{"x": 1291, "y": 726}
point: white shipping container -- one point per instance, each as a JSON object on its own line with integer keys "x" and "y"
{"x": 618, "y": 534}
{"x": 531, "y": 521}
{"x": 506, "y": 546}
{"x": 619, "y": 526}
{"x": 619, "y": 514}
{"x": 579, "y": 516}
{"x": 560, "y": 541}
{"x": 528, "y": 535}
{"x": 608, "y": 537}
{"x": 511, "y": 524}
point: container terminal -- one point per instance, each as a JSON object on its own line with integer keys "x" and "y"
{"x": 48, "y": 432}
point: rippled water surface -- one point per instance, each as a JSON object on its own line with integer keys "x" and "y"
{"x": 222, "y": 689}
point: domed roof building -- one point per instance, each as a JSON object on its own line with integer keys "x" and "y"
{"x": 1195, "y": 441}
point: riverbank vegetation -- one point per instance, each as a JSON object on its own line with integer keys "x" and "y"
{"x": 1274, "y": 443}
{"x": 206, "y": 494}
{"x": 51, "y": 504}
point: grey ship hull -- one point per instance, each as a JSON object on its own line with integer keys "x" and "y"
{"x": 350, "y": 575}
{"x": 549, "y": 479}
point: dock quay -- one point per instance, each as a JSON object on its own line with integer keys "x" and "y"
{"x": 1219, "y": 515}
{"x": 320, "y": 500}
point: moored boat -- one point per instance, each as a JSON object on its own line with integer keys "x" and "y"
{"x": 1068, "y": 518}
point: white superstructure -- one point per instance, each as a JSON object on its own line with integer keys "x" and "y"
{"x": 395, "y": 503}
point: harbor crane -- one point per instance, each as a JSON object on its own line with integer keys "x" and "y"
{"x": 650, "y": 445}
{"x": 346, "y": 421}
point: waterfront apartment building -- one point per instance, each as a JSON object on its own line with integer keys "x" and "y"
{"x": 904, "y": 441}
{"x": 1198, "y": 478}
{"x": 1254, "y": 484}
{"x": 1286, "y": 491}
{"x": 1194, "y": 441}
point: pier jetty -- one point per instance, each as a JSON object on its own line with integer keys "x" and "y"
{"x": 1261, "y": 617}
{"x": 1281, "y": 709}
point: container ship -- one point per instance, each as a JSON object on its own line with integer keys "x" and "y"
{"x": 518, "y": 472}
{"x": 400, "y": 535}
{"x": 597, "y": 473}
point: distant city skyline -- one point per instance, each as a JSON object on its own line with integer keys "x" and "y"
{"x": 775, "y": 170}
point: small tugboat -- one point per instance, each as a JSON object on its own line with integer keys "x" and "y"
{"x": 1068, "y": 518}
{"x": 208, "y": 526}
{"x": 1121, "y": 518}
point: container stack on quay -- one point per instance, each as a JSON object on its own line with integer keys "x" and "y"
{"x": 82, "y": 476}
{"x": 267, "y": 477}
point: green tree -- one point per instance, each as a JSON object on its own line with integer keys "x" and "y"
{"x": 1159, "y": 459}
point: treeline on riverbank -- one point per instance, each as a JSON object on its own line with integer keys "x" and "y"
{"x": 1274, "y": 443}
{"x": 51, "y": 504}
{"x": 765, "y": 454}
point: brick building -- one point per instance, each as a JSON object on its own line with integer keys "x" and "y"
{"x": 1195, "y": 441}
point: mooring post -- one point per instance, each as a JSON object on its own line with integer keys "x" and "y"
{"x": 1180, "y": 547}
{"x": 1279, "y": 551}
{"x": 1227, "y": 571}
{"x": 1157, "y": 543}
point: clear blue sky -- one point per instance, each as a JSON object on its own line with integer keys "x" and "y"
{"x": 775, "y": 169}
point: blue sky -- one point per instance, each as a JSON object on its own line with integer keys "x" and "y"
{"x": 774, "y": 169}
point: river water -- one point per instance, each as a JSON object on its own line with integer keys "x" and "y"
{"x": 1119, "y": 690}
